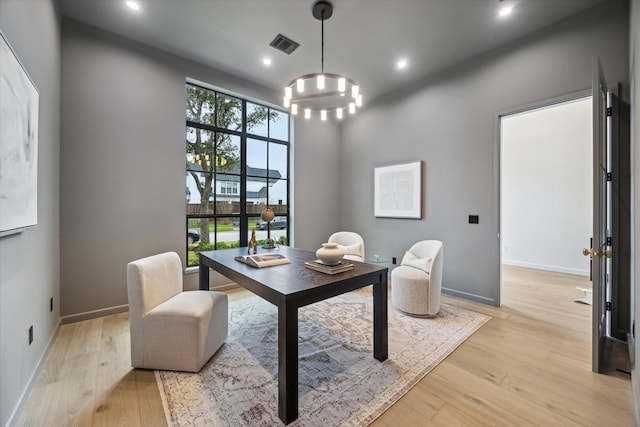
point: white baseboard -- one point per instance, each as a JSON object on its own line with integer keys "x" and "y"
{"x": 94, "y": 314}
{"x": 553, "y": 268}
{"x": 17, "y": 410}
{"x": 469, "y": 296}
{"x": 225, "y": 287}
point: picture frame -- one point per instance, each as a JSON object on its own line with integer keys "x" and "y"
{"x": 398, "y": 191}
{"x": 19, "y": 102}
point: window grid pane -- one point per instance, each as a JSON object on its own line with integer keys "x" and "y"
{"x": 223, "y": 199}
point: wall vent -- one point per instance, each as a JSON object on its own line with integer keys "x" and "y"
{"x": 284, "y": 44}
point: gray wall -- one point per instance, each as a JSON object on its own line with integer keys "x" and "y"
{"x": 317, "y": 183}
{"x": 122, "y": 175}
{"x": 29, "y": 262}
{"x": 449, "y": 122}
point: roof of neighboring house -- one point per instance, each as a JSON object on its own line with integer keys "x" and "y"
{"x": 272, "y": 174}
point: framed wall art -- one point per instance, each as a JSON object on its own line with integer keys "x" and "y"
{"x": 18, "y": 144}
{"x": 398, "y": 191}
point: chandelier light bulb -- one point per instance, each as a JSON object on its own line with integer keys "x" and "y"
{"x": 323, "y": 115}
{"x": 339, "y": 113}
{"x": 294, "y": 109}
{"x": 307, "y": 113}
{"x": 288, "y": 92}
{"x": 342, "y": 84}
{"x": 352, "y": 108}
{"x": 320, "y": 80}
{"x": 300, "y": 85}
{"x": 359, "y": 100}
{"x": 287, "y": 102}
{"x": 355, "y": 90}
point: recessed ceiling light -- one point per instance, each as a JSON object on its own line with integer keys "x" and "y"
{"x": 133, "y": 5}
{"x": 401, "y": 64}
{"x": 266, "y": 61}
{"x": 504, "y": 11}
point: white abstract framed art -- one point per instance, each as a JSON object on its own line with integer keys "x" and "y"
{"x": 398, "y": 191}
{"x": 19, "y": 100}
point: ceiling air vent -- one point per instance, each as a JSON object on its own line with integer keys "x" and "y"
{"x": 284, "y": 44}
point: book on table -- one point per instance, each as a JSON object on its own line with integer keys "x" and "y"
{"x": 263, "y": 260}
{"x": 320, "y": 266}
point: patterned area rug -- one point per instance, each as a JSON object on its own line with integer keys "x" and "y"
{"x": 340, "y": 383}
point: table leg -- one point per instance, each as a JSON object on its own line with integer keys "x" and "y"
{"x": 380, "y": 321}
{"x": 204, "y": 277}
{"x": 287, "y": 363}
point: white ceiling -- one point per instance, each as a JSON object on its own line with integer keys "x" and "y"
{"x": 363, "y": 38}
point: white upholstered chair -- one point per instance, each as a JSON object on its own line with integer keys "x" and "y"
{"x": 351, "y": 243}
{"x": 416, "y": 284}
{"x": 171, "y": 329}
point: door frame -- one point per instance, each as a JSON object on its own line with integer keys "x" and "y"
{"x": 620, "y": 192}
{"x": 498, "y": 161}
{"x": 614, "y": 327}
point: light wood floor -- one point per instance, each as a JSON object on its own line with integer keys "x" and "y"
{"x": 529, "y": 365}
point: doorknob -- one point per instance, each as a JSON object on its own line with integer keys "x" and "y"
{"x": 596, "y": 253}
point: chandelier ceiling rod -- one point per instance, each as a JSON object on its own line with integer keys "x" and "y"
{"x": 322, "y": 44}
{"x": 322, "y": 10}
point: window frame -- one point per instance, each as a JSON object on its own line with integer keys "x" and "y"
{"x": 243, "y": 217}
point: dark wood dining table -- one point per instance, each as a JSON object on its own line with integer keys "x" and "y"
{"x": 291, "y": 286}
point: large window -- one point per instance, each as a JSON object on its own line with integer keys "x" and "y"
{"x": 237, "y": 164}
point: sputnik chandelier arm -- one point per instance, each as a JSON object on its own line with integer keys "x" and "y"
{"x": 331, "y": 93}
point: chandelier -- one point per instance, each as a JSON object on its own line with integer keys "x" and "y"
{"x": 323, "y": 93}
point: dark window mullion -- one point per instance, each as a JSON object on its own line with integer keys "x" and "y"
{"x": 244, "y": 220}
{"x": 214, "y": 180}
{"x": 288, "y": 175}
{"x": 212, "y": 128}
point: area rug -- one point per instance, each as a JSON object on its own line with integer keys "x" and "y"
{"x": 340, "y": 383}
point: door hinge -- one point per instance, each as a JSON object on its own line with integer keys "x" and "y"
{"x": 608, "y": 306}
{"x": 609, "y": 176}
{"x": 609, "y": 111}
{"x": 609, "y": 241}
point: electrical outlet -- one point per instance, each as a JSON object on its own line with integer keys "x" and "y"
{"x": 51, "y": 304}
{"x": 394, "y": 261}
{"x": 30, "y": 334}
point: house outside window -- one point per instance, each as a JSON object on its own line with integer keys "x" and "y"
{"x": 237, "y": 164}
